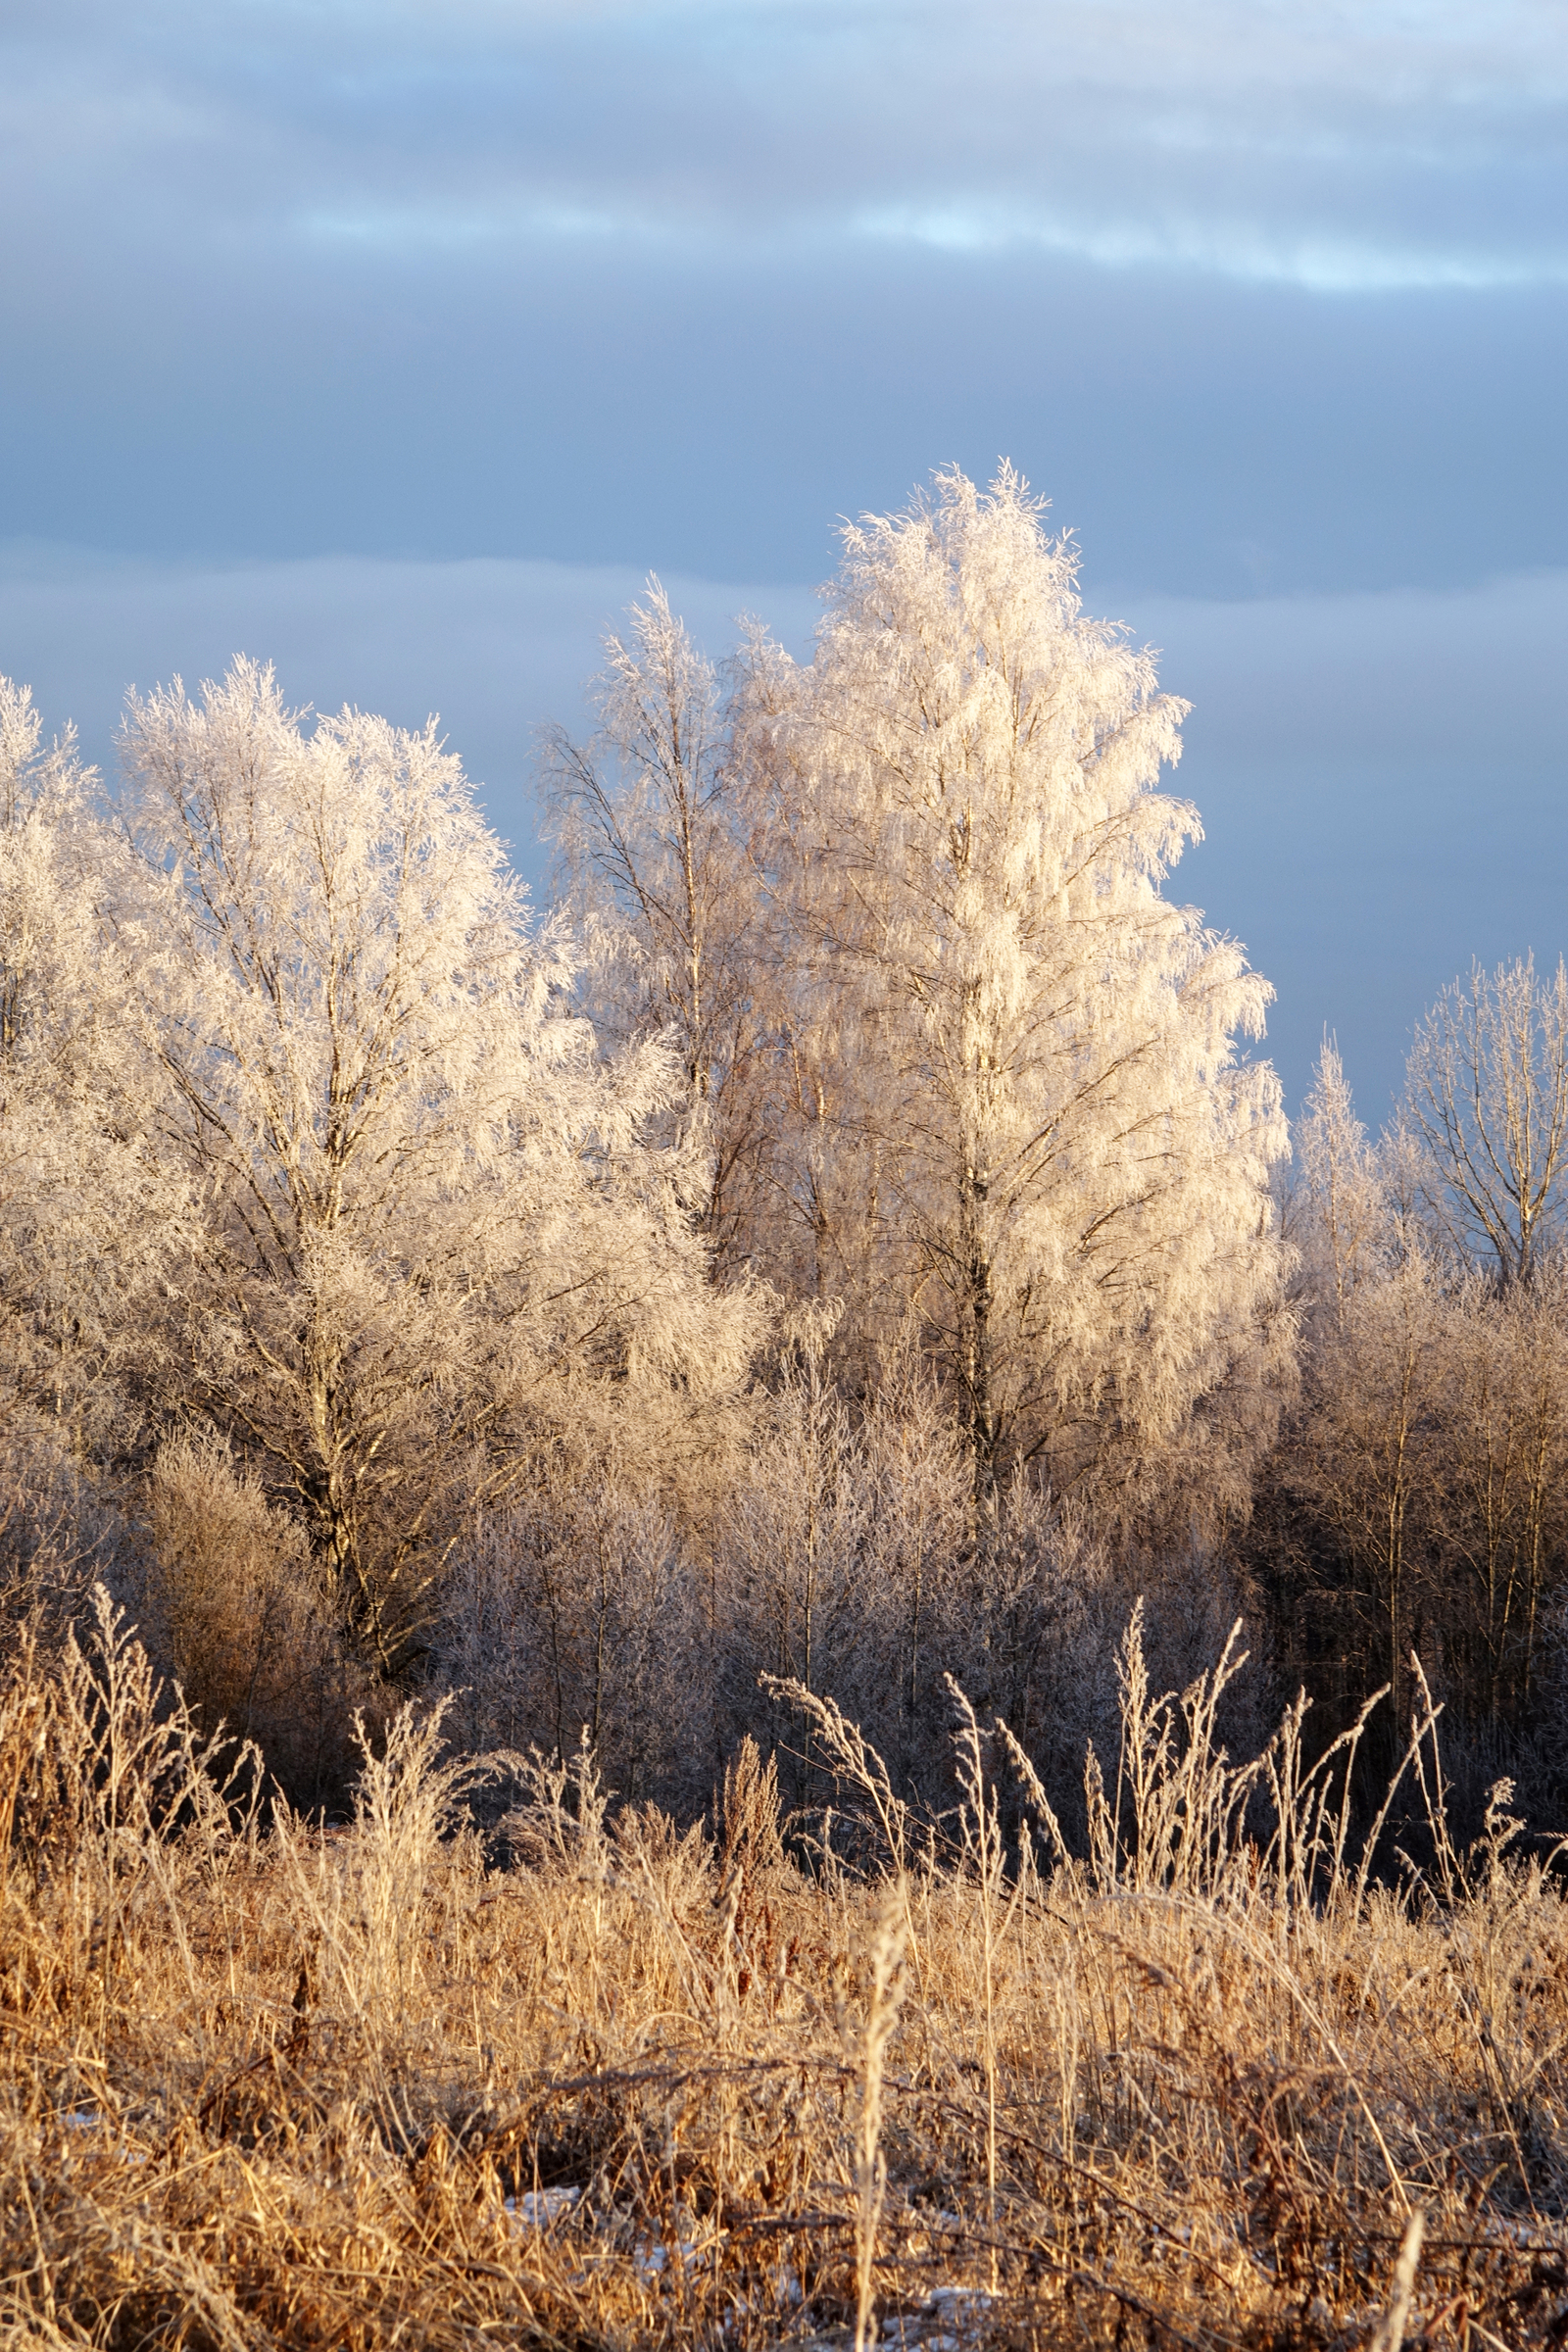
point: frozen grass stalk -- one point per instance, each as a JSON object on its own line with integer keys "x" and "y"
{"x": 870, "y": 2165}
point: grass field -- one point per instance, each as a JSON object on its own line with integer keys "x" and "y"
{"x": 1213, "y": 2085}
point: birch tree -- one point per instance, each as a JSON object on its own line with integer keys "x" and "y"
{"x": 431, "y": 1223}
{"x": 1486, "y": 1095}
{"x": 1420, "y": 1473}
{"x": 654, "y": 833}
{"x": 1061, "y": 1155}
{"x": 1341, "y": 1189}
{"x": 85, "y": 1226}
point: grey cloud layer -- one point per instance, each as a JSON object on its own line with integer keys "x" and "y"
{"x": 1380, "y": 778}
{"x": 1381, "y": 146}
{"x": 677, "y": 285}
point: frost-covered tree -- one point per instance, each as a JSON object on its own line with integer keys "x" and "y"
{"x": 1025, "y": 1104}
{"x": 1415, "y": 1498}
{"x": 1342, "y": 1208}
{"x": 1487, "y": 1100}
{"x": 432, "y": 1232}
{"x": 657, "y": 846}
{"x": 84, "y": 1228}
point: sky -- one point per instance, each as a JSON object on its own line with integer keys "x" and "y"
{"x": 397, "y": 343}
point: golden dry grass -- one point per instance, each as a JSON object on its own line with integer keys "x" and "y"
{"x": 296, "y": 2089}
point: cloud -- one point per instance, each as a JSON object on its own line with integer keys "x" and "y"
{"x": 1292, "y": 141}
{"x": 682, "y": 280}
{"x": 1250, "y": 251}
{"x": 1381, "y": 777}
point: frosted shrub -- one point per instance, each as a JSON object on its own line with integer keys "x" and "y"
{"x": 577, "y": 1616}
{"x": 60, "y": 1534}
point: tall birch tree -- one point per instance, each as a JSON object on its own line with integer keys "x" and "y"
{"x": 1342, "y": 1192}
{"x": 1060, "y": 1152}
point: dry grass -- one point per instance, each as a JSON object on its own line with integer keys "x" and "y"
{"x": 359, "y": 2090}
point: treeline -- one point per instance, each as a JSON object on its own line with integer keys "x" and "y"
{"x": 1417, "y": 1504}
{"x": 846, "y": 1243}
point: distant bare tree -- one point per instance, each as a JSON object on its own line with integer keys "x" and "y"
{"x": 1487, "y": 1095}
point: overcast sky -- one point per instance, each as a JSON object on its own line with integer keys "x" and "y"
{"x": 398, "y": 343}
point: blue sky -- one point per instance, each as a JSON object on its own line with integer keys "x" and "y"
{"x": 398, "y": 342}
